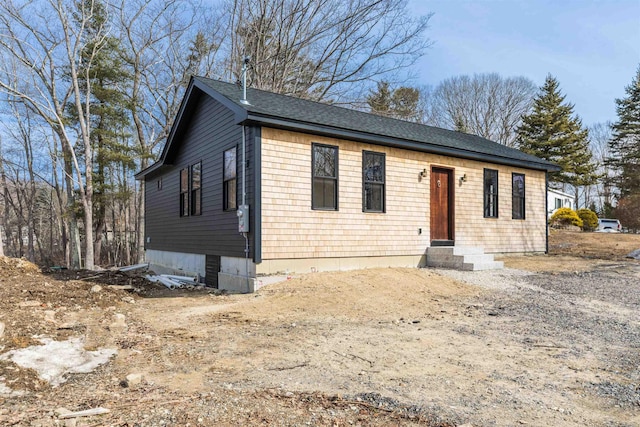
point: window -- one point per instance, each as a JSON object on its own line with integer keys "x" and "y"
{"x": 373, "y": 176}
{"x": 517, "y": 196}
{"x": 324, "y": 191}
{"x": 230, "y": 180}
{"x": 558, "y": 203}
{"x": 490, "y": 193}
{"x": 184, "y": 192}
{"x": 196, "y": 192}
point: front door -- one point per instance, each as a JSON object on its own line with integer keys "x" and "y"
{"x": 442, "y": 203}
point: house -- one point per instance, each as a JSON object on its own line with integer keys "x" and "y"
{"x": 318, "y": 187}
{"x": 557, "y": 199}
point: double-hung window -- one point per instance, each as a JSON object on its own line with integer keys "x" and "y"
{"x": 184, "y": 192}
{"x": 196, "y": 189}
{"x": 517, "y": 196}
{"x": 490, "y": 193}
{"x": 373, "y": 181}
{"x": 190, "y": 190}
{"x": 324, "y": 191}
{"x": 229, "y": 191}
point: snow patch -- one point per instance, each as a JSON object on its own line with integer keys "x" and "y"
{"x": 6, "y": 391}
{"x": 54, "y": 359}
{"x": 634, "y": 254}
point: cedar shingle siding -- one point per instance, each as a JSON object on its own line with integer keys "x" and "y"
{"x": 291, "y": 229}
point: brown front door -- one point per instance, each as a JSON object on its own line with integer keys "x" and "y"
{"x": 442, "y": 187}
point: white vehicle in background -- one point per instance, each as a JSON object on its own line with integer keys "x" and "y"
{"x": 608, "y": 226}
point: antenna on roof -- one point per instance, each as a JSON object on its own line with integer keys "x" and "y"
{"x": 245, "y": 63}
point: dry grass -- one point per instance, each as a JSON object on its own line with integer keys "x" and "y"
{"x": 578, "y": 251}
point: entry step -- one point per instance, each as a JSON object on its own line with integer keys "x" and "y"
{"x": 467, "y": 258}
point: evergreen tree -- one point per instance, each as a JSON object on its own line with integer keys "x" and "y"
{"x": 401, "y": 103}
{"x": 107, "y": 78}
{"x": 460, "y": 125}
{"x": 625, "y": 143}
{"x": 552, "y": 133}
{"x": 380, "y": 101}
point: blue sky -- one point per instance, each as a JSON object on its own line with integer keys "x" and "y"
{"x": 591, "y": 47}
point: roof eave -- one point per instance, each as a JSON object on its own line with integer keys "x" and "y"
{"x": 240, "y": 114}
{"x": 353, "y": 135}
{"x": 157, "y": 166}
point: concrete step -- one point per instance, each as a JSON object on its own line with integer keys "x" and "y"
{"x": 456, "y": 261}
{"x": 455, "y": 250}
{"x": 479, "y": 266}
{"x": 461, "y": 258}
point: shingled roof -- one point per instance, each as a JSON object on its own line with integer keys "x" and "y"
{"x": 286, "y": 112}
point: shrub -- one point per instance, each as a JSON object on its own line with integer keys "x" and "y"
{"x": 565, "y": 217}
{"x": 589, "y": 219}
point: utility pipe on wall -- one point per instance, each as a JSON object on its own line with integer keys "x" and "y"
{"x": 244, "y": 100}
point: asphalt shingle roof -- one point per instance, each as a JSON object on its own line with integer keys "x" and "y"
{"x": 271, "y": 105}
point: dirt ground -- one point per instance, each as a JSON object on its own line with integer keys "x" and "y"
{"x": 551, "y": 340}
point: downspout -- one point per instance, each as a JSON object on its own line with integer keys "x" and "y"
{"x": 546, "y": 211}
{"x": 244, "y": 101}
{"x": 244, "y": 167}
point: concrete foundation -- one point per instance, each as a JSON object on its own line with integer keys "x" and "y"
{"x": 312, "y": 265}
{"x": 179, "y": 263}
{"x": 237, "y": 284}
{"x": 238, "y": 276}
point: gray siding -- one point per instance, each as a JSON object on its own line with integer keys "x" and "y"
{"x": 209, "y": 132}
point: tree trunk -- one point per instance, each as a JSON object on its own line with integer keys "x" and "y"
{"x": 87, "y": 202}
{"x": 140, "y": 225}
{"x": 100, "y": 227}
{"x": 73, "y": 257}
{"x": 63, "y": 223}
{"x": 31, "y": 227}
{"x": 126, "y": 212}
{"x": 3, "y": 180}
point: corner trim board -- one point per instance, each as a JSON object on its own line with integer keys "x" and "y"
{"x": 257, "y": 209}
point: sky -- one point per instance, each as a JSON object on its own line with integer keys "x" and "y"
{"x": 592, "y": 47}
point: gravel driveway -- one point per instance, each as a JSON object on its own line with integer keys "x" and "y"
{"x": 590, "y": 321}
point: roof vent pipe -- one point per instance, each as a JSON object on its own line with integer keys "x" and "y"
{"x": 245, "y": 63}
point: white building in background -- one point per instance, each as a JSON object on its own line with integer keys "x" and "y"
{"x": 557, "y": 199}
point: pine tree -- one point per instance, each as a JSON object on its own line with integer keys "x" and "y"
{"x": 109, "y": 119}
{"x": 551, "y": 132}
{"x": 380, "y": 101}
{"x": 400, "y": 103}
{"x": 460, "y": 125}
{"x": 625, "y": 143}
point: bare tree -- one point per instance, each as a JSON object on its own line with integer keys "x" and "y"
{"x": 325, "y": 50}
{"x": 46, "y": 43}
{"x": 22, "y": 133}
{"x": 599, "y": 137}
{"x": 487, "y": 105}
{"x": 27, "y": 214}
{"x": 165, "y": 41}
